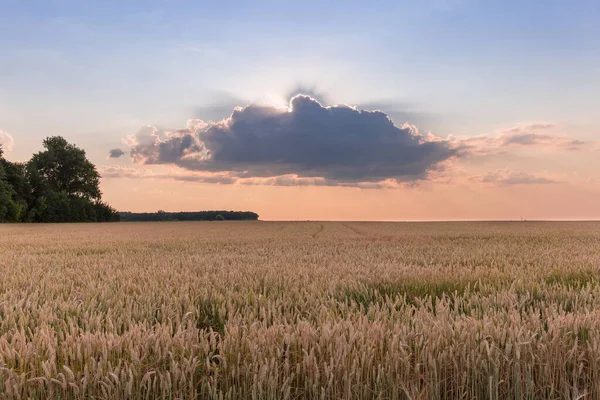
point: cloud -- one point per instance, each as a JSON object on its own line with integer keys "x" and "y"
{"x": 115, "y": 153}
{"x": 139, "y": 173}
{"x": 527, "y": 135}
{"x": 283, "y": 180}
{"x": 525, "y": 139}
{"x": 6, "y": 141}
{"x": 146, "y": 135}
{"x": 541, "y": 140}
{"x": 400, "y": 111}
{"x": 175, "y": 147}
{"x": 294, "y": 180}
{"x": 335, "y": 145}
{"x": 530, "y": 127}
{"x": 504, "y": 177}
{"x": 523, "y": 136}
{"x": 310, "y": 91}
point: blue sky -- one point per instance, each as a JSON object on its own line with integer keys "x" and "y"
{"x": 96, "y": 71}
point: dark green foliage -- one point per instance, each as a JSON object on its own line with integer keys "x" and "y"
{"x": 64, "y": 168}
{"x": 210, "y": 317}
{"x": 12, "y": 206}
{"x": 9, "y": 209}
{"x": 575, "y": 279}
{"x": 190, "y": 216}
{"x": 412, "y": 290}
{"x": 58, "y": 184}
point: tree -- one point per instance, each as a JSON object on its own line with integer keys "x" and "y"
{"x": 7, "y": 204}
{"x": 14, "y": 175}
{"x": 11, "y": 209}
{"x": 190, "y": 216}
{"x": 6, "y": 193}
{"x": 63, "y": 167}
{"x": 58, "y": 184}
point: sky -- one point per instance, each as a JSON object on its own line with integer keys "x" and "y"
{"x": 325, "y": 110}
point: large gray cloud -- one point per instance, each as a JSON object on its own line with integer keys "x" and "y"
{"x": 339, "y": 144}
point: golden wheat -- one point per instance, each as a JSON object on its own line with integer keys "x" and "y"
{"x": 268, "y": 310}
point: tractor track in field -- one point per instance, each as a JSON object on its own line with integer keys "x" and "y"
{"x": 355, "y": 230}
{"x": 319, "y": 231}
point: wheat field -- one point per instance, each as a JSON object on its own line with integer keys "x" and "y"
{"x": 288, "y": 310}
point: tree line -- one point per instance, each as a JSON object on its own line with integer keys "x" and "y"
{"x": 190, "y": 216}
{"x": 58, "y": 184}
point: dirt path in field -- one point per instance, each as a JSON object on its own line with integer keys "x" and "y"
{"x": 317, "y": 233}
{"x": 355, "y": 230}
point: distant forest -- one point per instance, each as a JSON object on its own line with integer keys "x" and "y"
{"x": 58, "y": 184}
{"x": 190, "y": 216}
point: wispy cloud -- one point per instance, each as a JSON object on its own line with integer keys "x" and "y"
{"x": 225, "y": 178}
{"x": 505, "y": 177}
{"x": 144, "y": 173}
{"x": 530, "y": 127}
{"x": 522, "y": 136}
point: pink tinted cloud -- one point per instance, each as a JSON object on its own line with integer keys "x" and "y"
{"x": 519, "y": 137}
{"x": 530, "y": 127}
{"x": 226, "y": 178}
{"x": 144, "y": 173}
{"x": 505, "y": 177}
{"x": 6, "y": 141}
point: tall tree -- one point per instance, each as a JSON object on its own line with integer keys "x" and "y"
{"x": 58, "y": 184}
{"x": 10, "y": 210}
{"x": 63, "y": 167}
